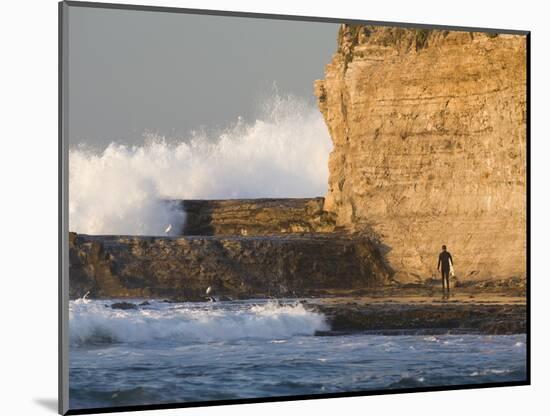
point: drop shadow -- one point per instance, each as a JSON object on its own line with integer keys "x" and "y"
{"x": 48, "y": 404}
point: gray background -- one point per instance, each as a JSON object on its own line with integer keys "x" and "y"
{"x": 132, "y": 72}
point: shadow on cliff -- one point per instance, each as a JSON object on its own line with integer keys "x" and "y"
{"x": 198, "y": 220}
{"x": 383, "y": 250}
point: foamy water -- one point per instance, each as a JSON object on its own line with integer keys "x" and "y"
{"x": 189, "y": 352}
{"x": 284, "y": 153}
{"x": 93, "y": 321}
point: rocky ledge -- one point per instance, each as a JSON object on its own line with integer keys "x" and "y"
{"x": 400, "y": 318}
{"x": 264, "y": 216}
{"x": 240, "y": 267}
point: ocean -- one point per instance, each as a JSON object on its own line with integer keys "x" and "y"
{"x": 188, "y": 352}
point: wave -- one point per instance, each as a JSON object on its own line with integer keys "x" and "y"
{"x": 91, "y": 321}
{"x": 284, "y": 153}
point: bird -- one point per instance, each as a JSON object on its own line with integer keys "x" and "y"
{"x": 208, "y": 290}
{"x": 168, "y": 229}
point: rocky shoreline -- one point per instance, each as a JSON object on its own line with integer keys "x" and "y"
{"x": 402, "y": 318}
{"x": 498, "y": 314}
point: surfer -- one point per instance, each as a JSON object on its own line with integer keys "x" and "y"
{"x": 444, "y": 264}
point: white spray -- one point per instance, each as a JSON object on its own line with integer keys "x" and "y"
{"x": 90, "y": 320}
{"x": 122, "y": 190}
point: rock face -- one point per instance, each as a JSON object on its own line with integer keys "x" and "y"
{"x": 429, "y": 133}
{"x": 183, "y": 267}
{"x": 256, "y": 216}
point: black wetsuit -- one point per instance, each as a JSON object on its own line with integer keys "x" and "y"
{"x": 445, "y": 261}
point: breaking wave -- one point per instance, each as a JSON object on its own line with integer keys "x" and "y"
{"x": 91, "y": 321}
{"x": 284, "y": 153}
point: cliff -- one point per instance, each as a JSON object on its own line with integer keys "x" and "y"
{"x": 429, "y": 133}
{"x": 235, "y": 266}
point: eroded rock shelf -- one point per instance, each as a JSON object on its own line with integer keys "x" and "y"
{"x": 234, "y": 266}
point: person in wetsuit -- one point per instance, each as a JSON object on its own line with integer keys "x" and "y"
{"x": 444, "y": 264}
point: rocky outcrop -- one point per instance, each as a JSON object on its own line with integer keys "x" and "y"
{"x": 429, "y": 133}
{"x": 256, "y": 216}
{"x": 241, "y": 267}
{"x": 415, "y": 318}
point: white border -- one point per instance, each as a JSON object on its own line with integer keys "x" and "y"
{"x": 28, "y": 163}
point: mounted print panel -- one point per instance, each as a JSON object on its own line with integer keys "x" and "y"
{"x": 264, "y": 208}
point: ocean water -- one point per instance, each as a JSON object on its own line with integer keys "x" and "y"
{"x": 189, "y": 352}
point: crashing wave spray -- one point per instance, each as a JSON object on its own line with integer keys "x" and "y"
{"x": 91, "y": 322}
{"x": 284, "y": 153}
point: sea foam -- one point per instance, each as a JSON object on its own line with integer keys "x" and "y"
{"x": 91, "y": 321}
{"x": 121, "y": 190}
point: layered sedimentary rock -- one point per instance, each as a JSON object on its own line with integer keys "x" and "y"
{"x": 183, "y": 267}
{"x": 256, "y": 216}
{"x": 429, "y": 133}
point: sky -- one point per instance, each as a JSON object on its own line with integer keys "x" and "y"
{"x": 137, "y": 72}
